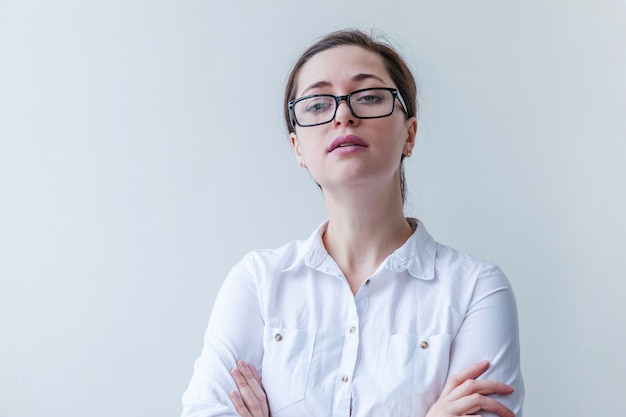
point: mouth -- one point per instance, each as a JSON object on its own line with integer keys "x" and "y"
{"x": 346, "y": 141}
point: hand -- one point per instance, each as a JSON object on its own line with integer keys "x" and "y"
{"x": 464, "y": 395}
{"x": 251, "y": 400}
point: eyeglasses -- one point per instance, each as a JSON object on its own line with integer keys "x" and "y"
{"x": 368, "y": 103}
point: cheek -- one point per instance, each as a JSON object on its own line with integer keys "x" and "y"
{"x": 304, "y": 151}
{"x": 395, "y": 137}
{"x": 310, "y": 144}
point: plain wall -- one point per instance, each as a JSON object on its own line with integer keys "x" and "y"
{"x": 142, "y": 154}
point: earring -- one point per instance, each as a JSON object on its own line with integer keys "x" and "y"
{"x": 406, "y": 155}
{"x": 302, "y": 164}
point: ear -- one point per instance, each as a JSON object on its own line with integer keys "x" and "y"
{"x": 411, "y": 132}
{"x": 295, "y": 144}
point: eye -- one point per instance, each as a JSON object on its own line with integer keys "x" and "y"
{"x": 317, "y": 105}
{"x": 371, "y": 97}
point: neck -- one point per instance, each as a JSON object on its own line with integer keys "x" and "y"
{"x": 364, "y": 227}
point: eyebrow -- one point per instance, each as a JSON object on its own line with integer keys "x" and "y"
{"x": 356, "y": 78}
{"x": 361, "y": 77}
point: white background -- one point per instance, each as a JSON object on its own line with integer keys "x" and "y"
{"x": 142, "y": 154}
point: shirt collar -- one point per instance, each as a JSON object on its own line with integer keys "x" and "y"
{"x": 311, "y": 251}
{"x": 416, "y": 255}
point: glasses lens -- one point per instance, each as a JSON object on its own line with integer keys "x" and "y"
{"x": 372, "y": 103}
{"x": 315, "y": 110}
{"x": 365, "y": 104}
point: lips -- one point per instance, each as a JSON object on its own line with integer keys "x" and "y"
{"x": 346, "y": 141}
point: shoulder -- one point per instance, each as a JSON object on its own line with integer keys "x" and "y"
{"x": 445, "y": 265}
{"x": 287, "y": 257}
{"x": 470, "y": 280}
{"x": 277, "y": 258}
{"x": 265, "y": 265}
{"x": 455, "y": 263}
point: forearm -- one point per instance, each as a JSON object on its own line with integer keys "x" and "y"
{"x": 234, "y": 332}
{"x": 490, "y": 332}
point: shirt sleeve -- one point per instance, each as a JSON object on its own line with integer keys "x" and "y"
{"x": 234, "y": 332}
{"x": 490, "y": 332}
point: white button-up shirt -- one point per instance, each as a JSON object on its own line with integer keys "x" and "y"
{"x": 427, "y": 312}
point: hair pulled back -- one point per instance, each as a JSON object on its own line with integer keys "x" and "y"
{"x": 396, "y": 67}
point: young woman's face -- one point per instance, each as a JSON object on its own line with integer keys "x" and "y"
{"x": 370, "y": 149}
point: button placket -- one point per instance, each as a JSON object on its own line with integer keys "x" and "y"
{"x": 349, "y": 357}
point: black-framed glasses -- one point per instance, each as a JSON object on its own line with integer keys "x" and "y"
{"x": 367, "y": 103}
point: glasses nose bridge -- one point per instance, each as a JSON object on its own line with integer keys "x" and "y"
{"x": 346, "y": 98}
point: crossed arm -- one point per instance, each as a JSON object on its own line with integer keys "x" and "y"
{"x": 462, "y": 395}
{"x": 488, "y": 330}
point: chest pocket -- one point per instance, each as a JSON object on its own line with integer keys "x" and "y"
{"x": 413, "y": 372}
{"x": 286, "y": 365}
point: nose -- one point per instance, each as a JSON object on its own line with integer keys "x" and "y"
{"x": 343, "y": 115}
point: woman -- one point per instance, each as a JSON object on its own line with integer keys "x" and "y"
{"x": 369, "y": 316}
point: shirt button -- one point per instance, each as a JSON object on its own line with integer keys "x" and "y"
{"x": 368, "y": 282}
{"x": 352, "y": 329}
{"x": 424, "y": 345}
{"x": 278, "y": 337}
{"x": 345, "y": 378}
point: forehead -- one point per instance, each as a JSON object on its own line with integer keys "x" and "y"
{"x": 338, "y": 66}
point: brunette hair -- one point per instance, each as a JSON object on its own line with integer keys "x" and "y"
{"x": 394, "y": 63}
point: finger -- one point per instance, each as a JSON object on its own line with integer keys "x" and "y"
{"x": 247, "y": 394}
{"x": 250, "y": 373}
{"x": 471, "y": 372}
{"x": 255, "y": 374}
{"x": 483, "y": 387}
{"x": 477, "y": 402}
{"x": 254, "y": 382}
{"x": 262, "y": 397}
{"x": 239, "y": 405}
